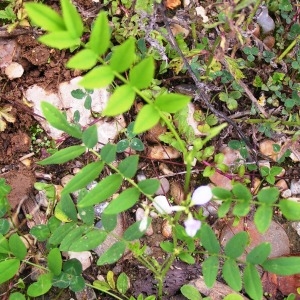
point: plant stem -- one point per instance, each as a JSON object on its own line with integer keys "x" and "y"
{"x": 288, "y": 49}
{"x": 104, "y": 291}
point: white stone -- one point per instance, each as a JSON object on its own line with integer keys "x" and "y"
{"x": 63, "y": 100}
{"x": 14, "y": 70}
{"x": 85, "y": 258}
{"x": 295, "y": 187}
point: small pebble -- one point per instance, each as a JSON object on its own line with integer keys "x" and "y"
{"x": 164, "y": 186}
{"x": 176, "y": 191}
{"x": 66, "y": 179}
{"x": 295, "y": 187}
{"x": 166, "y": 229}
{"x": 286, "y": 194}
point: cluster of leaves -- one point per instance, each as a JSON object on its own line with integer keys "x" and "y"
{"x": 65, "y": 232}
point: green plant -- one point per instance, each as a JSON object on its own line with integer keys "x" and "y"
{"x": 74, "y": 234}
{"x": 83, "y": 94}
{"x": 40, "y": 141}
{"x": 251, "y": 52}
{"x": 131, "y": 141}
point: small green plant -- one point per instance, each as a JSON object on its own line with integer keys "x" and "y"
{"x": 83, "y": 94}
{"x": 40, "y": 141}
{"x": 270, "y": 173}
{"x": 76, "y": 231}
{"x": 131, "y": 141}
{"x": 251, "y": 52}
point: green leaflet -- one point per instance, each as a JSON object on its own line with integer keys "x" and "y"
{"x": 124, "y": 201}
{"x": 59, "y": 120}
{"x": 84, "y": 177}
{"x": 100, "y": 35}
{"x": 8, "y": 269}
{"x": 63, "y": 155}
{"x": 113, "y": 254}
{"x": 45, "y": 17}
{"x": 71, "y": 19}
{"x": 263, "y": 217}
{"x": 83, "y": 60}
{"x": 54, "y": 261}
{"x": 236, "y": 245}
{"x": 123, "y": 56}
{"x": 171, "y": 102}
{"x": 104, "y": 189}
{"x": 128, "y": 166}
{"x": 210, "y": 269}
{"x": 141, "y": 75}
{"x": 41, "y": 287}
{"x": 283, "y": 266}
{"x": 99, "y": 77}
{"x": 120, "y": 101}
{"x": 90, "y": 136}
{"x": 252, "y": 282}
{"x": 59, "y": 40}
{"x": 147, "y": 117}
{"x": 17, "y": 246}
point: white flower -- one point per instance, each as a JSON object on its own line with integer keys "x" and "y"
{"x": 144, "y": 223}
{"x": 191, "y": 226}
{"x": 201, "y": 195}
{"x": 162, "y": 205}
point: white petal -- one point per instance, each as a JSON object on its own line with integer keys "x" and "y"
{"x": 178, "y": 208}
{"x": 162, "y": 205}
{"x": 192, "y": 226}
{"x": 143, "y": 224}
{"x": 201, "y": 195}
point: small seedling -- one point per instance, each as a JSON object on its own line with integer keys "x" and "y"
{"x": 131, "y": 141}
{"x": 270, "y": 174}
{"x": 251, "y": 52}
{"x": 84, "y": 94}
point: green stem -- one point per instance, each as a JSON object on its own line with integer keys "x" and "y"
{"x": 288, "y": 49}
{"x": 104, "y": 291}
{"x": 251, "y": 15}
{"x": 35, "y": 265}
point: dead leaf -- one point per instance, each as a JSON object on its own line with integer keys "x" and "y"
{"x": 172, "y": 3}
{"x": 5, "y": 116}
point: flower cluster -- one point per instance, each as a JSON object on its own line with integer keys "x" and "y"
{"x": 201, "y": 196}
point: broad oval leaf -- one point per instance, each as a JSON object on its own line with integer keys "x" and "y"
{"x": 268, "y": 195}
{"x": 58, "y": 120}
{"x": 236, "y": 245}
{"x": 263, "y": 218}
{"x": 283, "y": 266}
{"x": 259, "y": 254}
{"x": 209, "y": 239}
{"x": 84, "y": 177}
{"x": 90, "y": 136}
{"x": 210, "y": 268}
{"x": 122, "y": 283}
{"x": 59, "y": 40}
{"x": 71, "y": 18}
{"x": 252, "y": 282}
{"x": 113, "y": 254}
{"x": 41, "y": 232}
{"x": 54, "y": 261}
{"x": 104, "y": 189}
{"x": 8, "y": 269}
{"x": 68, "y": 207}
{"x": 241, "y": 192}
{"x": 89, "y": 241}
{"x": 17, "y": 246}
{"x": 290, "y": 209}
{"x": 123, "y": 56}
{"x": 147, "y": 117}
{"x": 83, "y": 60}
{"x": 16, "y": 296}
{"x": 63, "y": 155}
{"x": 100, "y": 35}
{"x": 141, "y": 75}
{"x": 190, "y": 292}
{"x": 99, "y": 77}
{"x": 120, "y": 101}
{"x": 45, "y": 17}
{"x": 149, "y": 186}
{"x": 124, "y": 201}
{"x": 172, "y": 102}
{"x": 128, "y": 166}
{"x": 41, "y": 287}
{"x": 72, "y": 236}
{"x": 231, "y": 274}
